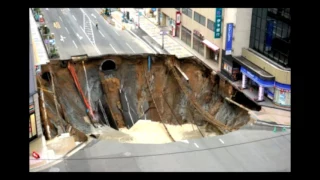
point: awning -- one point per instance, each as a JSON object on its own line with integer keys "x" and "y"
{"x": 210, "y": 45}
{"x": 256, "y": 70}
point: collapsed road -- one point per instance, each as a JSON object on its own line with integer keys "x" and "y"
{"x": 90, "y": 94}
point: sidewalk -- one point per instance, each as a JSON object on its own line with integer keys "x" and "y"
{"x": 51, "y": 151}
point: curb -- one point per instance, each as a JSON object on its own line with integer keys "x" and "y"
{"x": 132, "y": 33}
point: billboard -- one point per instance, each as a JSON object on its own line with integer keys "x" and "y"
{"x": 229, "y": 38}
{"x": 217, "y": 28}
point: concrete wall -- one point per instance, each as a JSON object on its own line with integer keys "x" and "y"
{"x": 281, "y": 75}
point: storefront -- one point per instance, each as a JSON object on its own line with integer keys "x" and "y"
{"x": 282, "y": 94}
{"x": 255, "y": 81}
{"x": 32, "y": 123}
{"x": 230, "y": 68}
{"x": 212, "y": 50}
{"x": 254, "y": 77}
{"x": 197, "y": 42}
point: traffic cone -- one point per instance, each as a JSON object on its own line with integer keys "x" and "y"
{"x": 35, "y": 155}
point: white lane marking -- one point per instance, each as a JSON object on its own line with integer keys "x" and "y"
{"x": 101, "y": 33}
{"x": 130, "y": 48}
{"x": 185, "y": 141}
{"x": 116, "y": 32}
{"x": 60, "y": 18}
{"x": 196, "y": 145}
{"x": 62, "y": 38}
{"x": 74, "y": 17}
{"x": 47, "y": 9}
{"x": 68, "y": 9}
{"x": 80, "y": 37}
{"x": 93, "y": 15}
{"x": 96, "y": 11}
{"x": 75, "y": 44}
{"x": 221, "y": 141}
{"x": 95, "y": 47}
{"x": 113, "y": 48}
{"x": 147, "y": 45}
{"x": 67, "y": 30}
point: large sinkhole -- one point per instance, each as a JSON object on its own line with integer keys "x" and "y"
{"x": 143, "y": 101}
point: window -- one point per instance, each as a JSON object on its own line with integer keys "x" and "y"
{"x": 199, "y": 18}
{"x": 197, "y": 44}
{"x": 271, "y": 35}
{"x": 186, "y": 35}
{"x": 210, "y": 25}
{"x": 187, "y": 11}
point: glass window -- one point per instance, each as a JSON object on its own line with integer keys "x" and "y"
{"x": 202, "y": 20}
{"x": 190, "y": 12}
{"x": 270, "y": 34}
{"x": 196, "y": 17}
{"x": 210, "y": 25}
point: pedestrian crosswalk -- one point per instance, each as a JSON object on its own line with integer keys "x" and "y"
{"x": 87, "y": 27}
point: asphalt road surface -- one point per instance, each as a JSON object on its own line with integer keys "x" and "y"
{"x": 75, "y": 33}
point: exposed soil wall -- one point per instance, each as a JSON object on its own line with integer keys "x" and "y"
{"x": 153, "y": 94}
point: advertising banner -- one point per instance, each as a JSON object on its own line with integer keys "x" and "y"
{"x": 229, "y": 37}
{"x": 178, "y": 18}
{"x": 217, "y": 28}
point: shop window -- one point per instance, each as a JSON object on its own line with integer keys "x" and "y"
{"x": 32, "y": 126}
{"x": 186, "y": 35}
{"x": 197, "y": 44}
{"x": 227, "y": 68}
{"x": 213, "y": 55}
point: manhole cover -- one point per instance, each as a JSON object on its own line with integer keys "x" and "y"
{"x": 54, "y": 169}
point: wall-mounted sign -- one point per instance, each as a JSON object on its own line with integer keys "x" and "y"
{"x": 229, "y": 37}
{"x": 178, "y": 18}
{"x": 256, "y": 79}
{"x": 227, "y": 68}
{"x": 217, "y": 24}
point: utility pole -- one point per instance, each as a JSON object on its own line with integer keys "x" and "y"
{"x": 158, "y": 16}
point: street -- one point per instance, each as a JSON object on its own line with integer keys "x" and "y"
{"x": 76, "y": 33}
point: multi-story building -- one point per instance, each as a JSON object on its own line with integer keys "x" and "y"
{"x": 250, "y": 45}
{"x": 35, "y": 125}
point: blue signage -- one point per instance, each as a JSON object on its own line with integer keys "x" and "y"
{"x": 256, "y": 79}
{"x": 229, "y": 38}
{"x": 217, "y": 24}
{"x": 282, "y": 86}
{"x": 270, "y": 26}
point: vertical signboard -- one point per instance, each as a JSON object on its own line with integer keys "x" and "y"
{"x": 178, "y": 18}
{"x": 270, "y": 24}
{"x": 229, "y": 37}
{"x": 217, "y": 27}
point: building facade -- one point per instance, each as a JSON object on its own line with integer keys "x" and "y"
{"x": 249, "y": 45}
{"x": 35, "y": 125}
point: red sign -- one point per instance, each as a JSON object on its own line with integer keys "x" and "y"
{"x": 178, "y": 18}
